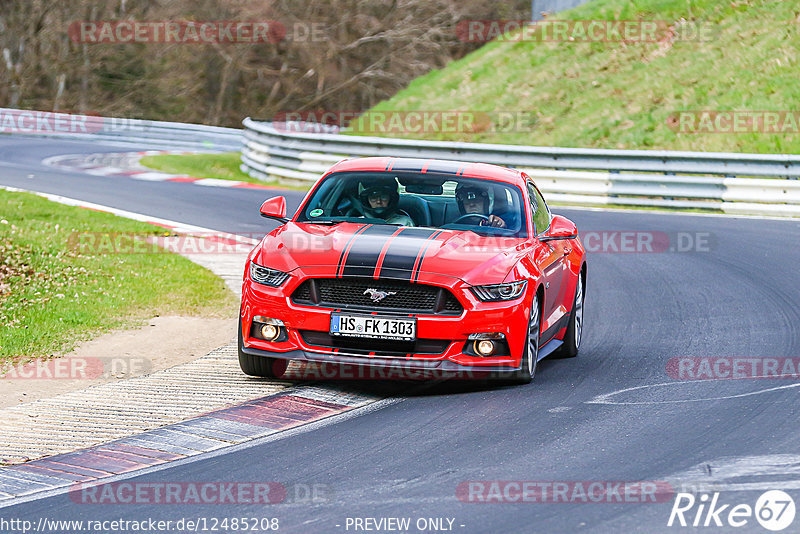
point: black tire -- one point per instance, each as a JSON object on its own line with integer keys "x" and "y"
{"x": 572, "y": 339}
{"x": 530, "y": 354}
{"x": 260, "y": 366}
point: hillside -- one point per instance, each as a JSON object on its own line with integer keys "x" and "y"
{"x": 630, "y": 94}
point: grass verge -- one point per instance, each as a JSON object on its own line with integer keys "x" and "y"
{"x": 222, "y": 166}
{"x": 52, "y": 296}
{"x": 625, "y": 94}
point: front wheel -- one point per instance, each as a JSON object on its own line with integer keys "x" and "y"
{"x": 572, "y": 339}
{"x": 530, "y": 354}
{"x": 260, "y": 366}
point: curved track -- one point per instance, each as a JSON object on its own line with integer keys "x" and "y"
{"x": 406, "y": 458}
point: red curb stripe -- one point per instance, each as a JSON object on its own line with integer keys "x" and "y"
{"x": 280, "y": 412}
{"x": 264, "y": 421}
{"x": 54, "y": 462}
{"x": 267, "y": 411}
{"x": 182, "y": 179}
{"x": 95, "y": 209}
{"x": 293, "y": 407}
{"x": 141, "y": 451}
{"x": 133, "y": 458}
{"x": 90, "y": 459}
{"x": 315, "y": 402}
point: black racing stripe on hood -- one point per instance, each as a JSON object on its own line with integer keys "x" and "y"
{"x": 425, "y": 248}
{"x": 366, "y": 249}
{"x": 347, "y": 247}
{"x": 403, "y": 251}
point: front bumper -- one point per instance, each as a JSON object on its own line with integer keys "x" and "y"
{"x": 448, "y": 332}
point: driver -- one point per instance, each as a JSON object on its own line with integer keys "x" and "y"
{"x": 478, "y": 200}
{"x": 380, "y": 199}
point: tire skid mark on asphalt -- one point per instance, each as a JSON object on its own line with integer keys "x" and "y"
{"x": 740, "y": 473}
{"x": 608, "y": 398}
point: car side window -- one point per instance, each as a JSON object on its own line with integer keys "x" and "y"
{"x": 541, "y": 213}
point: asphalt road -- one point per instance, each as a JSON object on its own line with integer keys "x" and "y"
{"x": 734, "y": 294}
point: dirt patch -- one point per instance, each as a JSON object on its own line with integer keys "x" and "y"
{"x": 165, "y": 342}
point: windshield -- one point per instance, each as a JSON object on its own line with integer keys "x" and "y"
{"x": 416, "y": 199}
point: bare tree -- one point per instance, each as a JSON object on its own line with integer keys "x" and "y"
{"x": 336, "y": 55}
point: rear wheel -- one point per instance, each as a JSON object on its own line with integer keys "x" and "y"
{"x": 530, "y": 354}
{"x": 572, "y": 339}
{"x": 260, "y": 366}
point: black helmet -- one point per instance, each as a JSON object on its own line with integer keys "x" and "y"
{"x": 379, "y": 186}
{"x": 468, "y": 191}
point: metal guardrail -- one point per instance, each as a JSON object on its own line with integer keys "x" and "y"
{"x": 760, "y": 184}
{"x": 135, "y": 132}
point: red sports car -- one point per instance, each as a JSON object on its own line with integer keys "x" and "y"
{"x": 428, "y": 264}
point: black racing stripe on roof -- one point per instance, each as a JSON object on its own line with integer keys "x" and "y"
{"x": 444, "y": 167}
{"x": 409, "y": 165}
{"x": 366, "y": 250}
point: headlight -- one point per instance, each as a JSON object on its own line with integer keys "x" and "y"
{"x": 499, "y": 292}
{"x": 266, "y": 276}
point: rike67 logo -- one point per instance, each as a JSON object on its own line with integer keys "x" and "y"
{"x": 774, "y": 510}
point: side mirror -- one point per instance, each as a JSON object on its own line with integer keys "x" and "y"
{"x": 560, "y": 228}
{"x": 274, "y": 208}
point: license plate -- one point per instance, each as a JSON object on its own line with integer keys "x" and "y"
{"x": 375, "y": 327}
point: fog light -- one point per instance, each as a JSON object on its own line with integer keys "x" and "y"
{"x": 270, "y": 332}
{"x": 485, "y": 347}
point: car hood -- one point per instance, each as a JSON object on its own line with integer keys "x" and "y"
{"x": 350, "y": 249}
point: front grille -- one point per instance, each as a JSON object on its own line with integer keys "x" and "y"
{"x": 382, "y": 347}
{"x": 353, "y": 294}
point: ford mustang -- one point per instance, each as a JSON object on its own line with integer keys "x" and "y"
{"x": 426, "y": 264}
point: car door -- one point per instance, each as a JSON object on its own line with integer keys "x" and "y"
{"x": 550, "y": 257}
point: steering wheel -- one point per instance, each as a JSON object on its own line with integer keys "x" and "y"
{"x": 356, "y": 209}
{"x": 470, "y": 215}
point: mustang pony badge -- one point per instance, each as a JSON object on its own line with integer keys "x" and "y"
{"x": 378, "y": 296}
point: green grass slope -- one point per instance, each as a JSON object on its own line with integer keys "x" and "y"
{"x": 55, "y": 293}
{"x": 622, "y": 95}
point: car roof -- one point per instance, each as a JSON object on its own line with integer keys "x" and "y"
{"x": 437, "y": 166}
